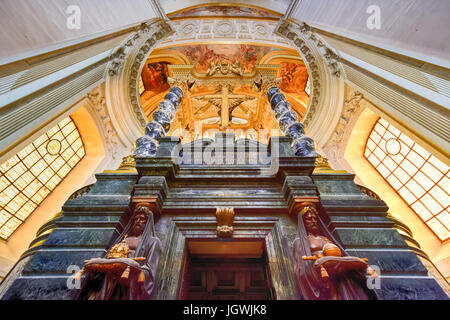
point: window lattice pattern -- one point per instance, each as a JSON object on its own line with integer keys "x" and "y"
{"x": 27, "y": 178}
{"x": 419, "y": 178}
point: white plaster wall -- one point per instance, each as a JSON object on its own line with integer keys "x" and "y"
{"x": 416, "y": 28}
{"x": 30, "y": 26}
{"x": 5, "y": 266}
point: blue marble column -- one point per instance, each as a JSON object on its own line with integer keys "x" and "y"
{"x": 147, "y": 145}
{"x": 302, "y": 145}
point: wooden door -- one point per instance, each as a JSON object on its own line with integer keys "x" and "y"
{"x": 227, "y": 279}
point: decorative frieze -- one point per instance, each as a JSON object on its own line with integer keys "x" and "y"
{"x": 229, "y": 29}
{"x": 151, "y": 30}
{"x": 98, "y": 103}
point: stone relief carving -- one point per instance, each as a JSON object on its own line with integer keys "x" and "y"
{"x": 351, "y": 106}
{"x": 298, "y": 34}
{"x": 225, "y": 218}
{"x": 237, "y": 29}
{"x": 141, "y": 41}
{"x": 224, "y": 28}
{"x": 117, "y": 60}
{"x": 332, "y": 59}
{"x": 118, "y": 57}
{"x": 98, "y": 103}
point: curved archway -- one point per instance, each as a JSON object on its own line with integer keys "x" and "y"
{"x": 122, "y": 85}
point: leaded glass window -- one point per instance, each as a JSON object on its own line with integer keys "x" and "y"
{"x": 420, "y": 179}
{"x": 27, "y": 178}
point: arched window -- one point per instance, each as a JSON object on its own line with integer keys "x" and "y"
{"x": 420, "y": 179}
{"x": 27, "y": 178}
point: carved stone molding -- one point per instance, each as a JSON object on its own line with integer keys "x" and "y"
{"x": 133, "y": 52}
{"x": 351, "y": 106}
{"x": 225, "y": 217}
{"x": 98, "y": 103}
{"x": 119, "y": 55}
{"x": 229, "y": 29}
{"x": 327, "y": 53}
{"x": 304, "y": 38}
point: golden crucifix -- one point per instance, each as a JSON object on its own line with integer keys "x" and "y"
{"x": 226, "y": 102}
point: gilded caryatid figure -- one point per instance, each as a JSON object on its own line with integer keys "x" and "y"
{"x": 128, "y": 271}
{"x": 324, "y": 270}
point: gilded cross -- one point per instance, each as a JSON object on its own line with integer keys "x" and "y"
{"x": 226, "y": 102}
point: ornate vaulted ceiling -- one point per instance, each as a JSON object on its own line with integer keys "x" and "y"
{"x": 251, "y": 111}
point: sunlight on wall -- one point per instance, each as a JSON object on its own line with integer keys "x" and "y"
{"x": 430, "y": 243}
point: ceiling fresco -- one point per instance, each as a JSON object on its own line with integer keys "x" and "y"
{"x": 154, "y": 77}
{"x": 294, "y": 77}
{"x": 253, "y": 113}
{"x": 246, "y": 55}
{"x": 225, "y": 11}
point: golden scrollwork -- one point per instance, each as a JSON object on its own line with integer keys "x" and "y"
{"x": 322, "y": 163}
{"x": 128, "y": 163}
{"x": 224, "y": 68}
{"x": 223, "y": 74}
{"x": 120, "y": 250}
{"x": 225, "y": 217}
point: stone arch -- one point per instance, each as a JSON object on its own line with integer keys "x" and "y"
{"x": 122, "y": 80}
{"x": 326, "y": 99}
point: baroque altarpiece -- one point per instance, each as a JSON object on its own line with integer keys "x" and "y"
{"x": 222, "y": 217}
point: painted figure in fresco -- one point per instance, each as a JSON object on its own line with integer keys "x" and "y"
{"x": 241, "y": 57}
{"x": 323, "y": 268}
{"x": 128, "y": 272}
{"x": 294, "y": 77}
{"x": 154, "y": 77}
